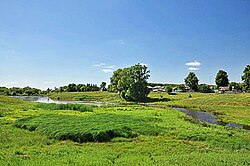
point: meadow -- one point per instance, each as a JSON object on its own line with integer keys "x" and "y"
{"x": 132, "y": 134}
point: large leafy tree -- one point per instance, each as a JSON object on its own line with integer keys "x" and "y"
{"x": 131, "y": 82}
{"x": 192, "y": 81}
{"x": 246, "y": 78}
{"x": 221, "y": 78}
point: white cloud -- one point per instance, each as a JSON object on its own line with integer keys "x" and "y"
{"x": 100, "y": 64}
{"x": 121, "y": 42}
{"x": 10, "y": 51}
{"x": 194, "y": 63}
{"x": 107, "y": 70}
{"x": 111, "y": 67}
{"x": 47, "y": 82}
{"x": 193, "y": 68}
{"x": 11, "y": 82}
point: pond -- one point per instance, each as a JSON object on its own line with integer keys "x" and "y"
{"x": 45, "y": 99}
{"x": 209, "y": 118}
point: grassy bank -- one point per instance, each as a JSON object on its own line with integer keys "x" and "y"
{"x": 228, "y": 107}
{"x": 114, "y": 135}
{"x": 89, "y": 96}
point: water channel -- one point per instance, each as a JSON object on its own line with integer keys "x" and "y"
{"x": 210, "y": 118}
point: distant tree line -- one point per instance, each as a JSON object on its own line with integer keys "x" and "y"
{"x": 28, "y": 91}
{"x": 131, "y": 83}
{"x": 16, "y": 91}
{"x": 77, "y": 88}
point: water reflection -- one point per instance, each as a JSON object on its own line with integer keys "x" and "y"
{"x": 45, "y": 99}
{"x": 210, "y": 118}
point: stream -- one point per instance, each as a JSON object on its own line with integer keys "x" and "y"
{"x": 210, "y": 118}
{"x": 203, "y": 117}
{"x": 45, "y": 99}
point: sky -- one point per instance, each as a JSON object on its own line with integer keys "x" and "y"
{"x": 48, "y": 43}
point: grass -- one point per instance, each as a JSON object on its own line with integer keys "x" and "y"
{"x": 77, "y": 107}
{"x": 89, "y": 96}
{"x": 228, "y": 107}
{"x": 140, "y": 136}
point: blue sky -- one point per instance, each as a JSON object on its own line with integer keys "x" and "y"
{"x": 48, "y": 43}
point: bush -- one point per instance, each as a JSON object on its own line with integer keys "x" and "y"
{"x": 204, "y": 88}
{"x": 168, "y": 90}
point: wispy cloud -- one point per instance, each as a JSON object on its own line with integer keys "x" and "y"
{"x": 111, "y": 67}
{"x": 107, "y": 70}
{"x": 99, "y": 65}
{"x": 47, "y": 82}
{"x": 10, "y": 51}
{"x": 193, "y": 63}
{"x": 193, "y": 68}
{"x": 121, "y": 42}
{"x": 11, "y": 83}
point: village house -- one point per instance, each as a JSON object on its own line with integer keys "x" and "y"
{"x": 157, "y": 88}
{"x": 223, "y": 89}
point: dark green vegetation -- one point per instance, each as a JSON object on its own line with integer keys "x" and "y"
{"x": 205, "y": 88}
{"x": 131, "y": 83}
{"x": 246, "y": 78}
{"x": 20, "y": 91}
{"x": 192, "y": 81}
{"x": 77, "y": 88}
{"x": 89, "y": 96}
{"x": 77, "y": 107}
{"x": 221, "y": 78}
{"x": 124, "y": 135}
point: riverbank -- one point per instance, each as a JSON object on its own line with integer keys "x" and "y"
{"x": 114, "y": 135}
{"x": 230, "y": 108}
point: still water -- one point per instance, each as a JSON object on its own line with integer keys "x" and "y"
{"x": 209, "y": 118}
{"x": 45, "y": 99}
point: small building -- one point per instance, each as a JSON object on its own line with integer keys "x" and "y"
{"x": 156, "y": 88}
{"x": 223, "y": 89}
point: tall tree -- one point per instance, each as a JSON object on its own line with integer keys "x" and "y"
{"x": 246, "y": 79}
{"x": 221, "y": 78}
{"x": 103, "y": 86}
{"x": 131, "y": 82}
{"x": 192, "y": 81}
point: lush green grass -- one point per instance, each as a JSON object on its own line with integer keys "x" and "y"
{"x": 143, "y": 135}
{"x": 53, "y": 106}
{"x": 228, "y": 107}
{"x": 89, "y": 96}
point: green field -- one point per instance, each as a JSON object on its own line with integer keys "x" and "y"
{"x": 40, "y": 134}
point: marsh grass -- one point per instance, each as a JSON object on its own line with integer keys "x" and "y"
{"x": 76, "y": 107}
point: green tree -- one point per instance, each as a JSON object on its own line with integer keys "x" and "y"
{"x": 221, "y": 78}
{"x": 72, "y": 88}
{"x": 103, "y": 86}
{"x": 192, "y": 81}
{"x": 246, "y": 79}
{"x": 204, "y": 88}
{"x": 131, "y": 82}
{"x": 235, "y": 86}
